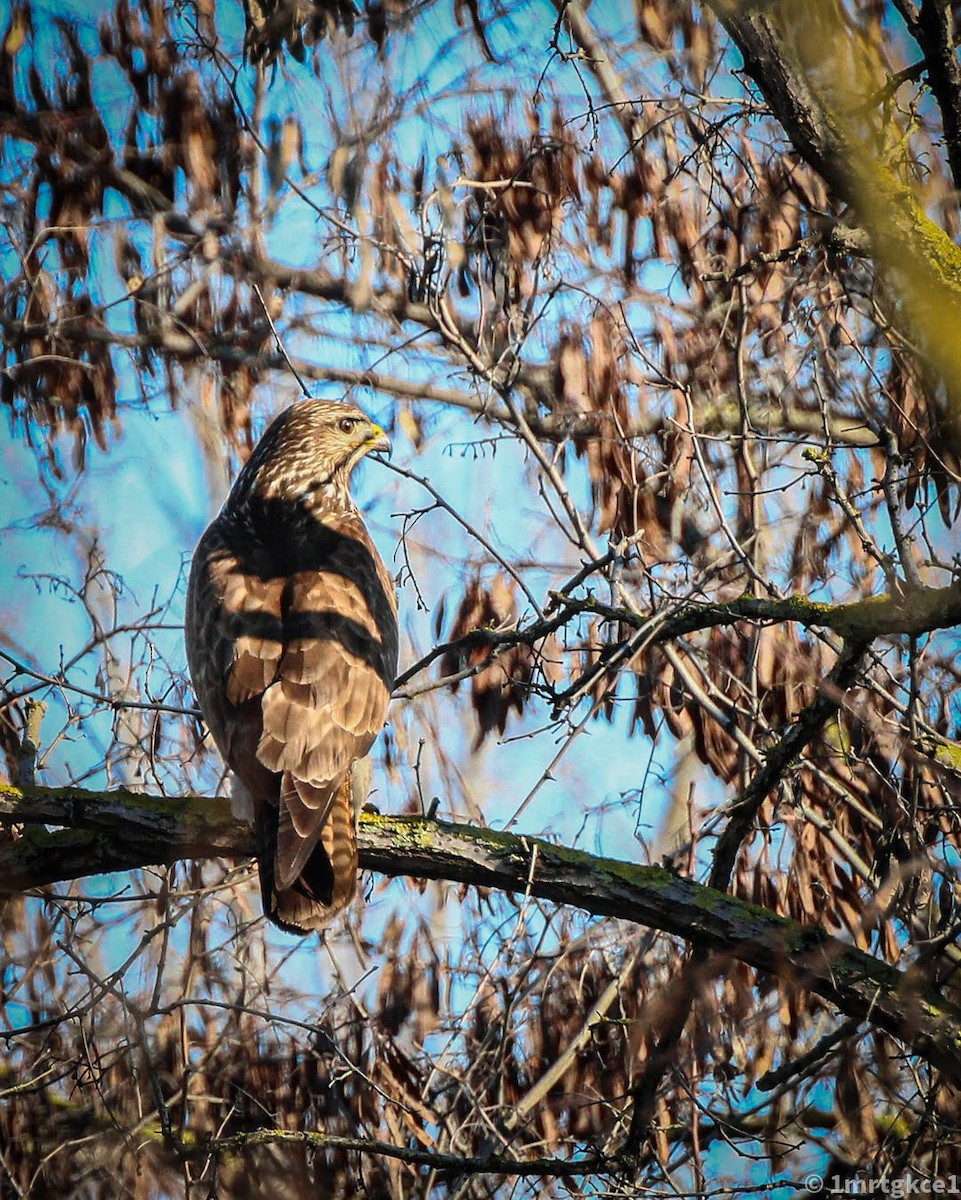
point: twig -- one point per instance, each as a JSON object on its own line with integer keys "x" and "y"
{"x": 280, "y": 345}
{"x": 801, "y": 1065}
{"x": 466, "y": 525}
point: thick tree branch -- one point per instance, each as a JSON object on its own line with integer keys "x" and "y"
{"x": 911, "y": 613}
{"x": 446, "y": 1164}
{"x": 785, "y": 86}
{"x": 921, "y": 262}
{"x": 123, "y": 831}
{"x": 935, "y": 33}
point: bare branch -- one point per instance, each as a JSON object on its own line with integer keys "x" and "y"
{"x": 127, "y": 830}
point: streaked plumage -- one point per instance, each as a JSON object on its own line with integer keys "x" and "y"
{"x": 291, "y": 630}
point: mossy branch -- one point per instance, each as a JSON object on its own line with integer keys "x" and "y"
{"x": 118, "y": 831}
{"x": 914, "y": 612}
{"x": 860, "y": 153}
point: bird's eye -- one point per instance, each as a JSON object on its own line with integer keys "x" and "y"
{"x": 346, "y": 424}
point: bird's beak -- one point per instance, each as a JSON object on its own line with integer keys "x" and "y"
{"x": 378, "y": 440}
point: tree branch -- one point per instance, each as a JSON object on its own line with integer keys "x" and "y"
{"x": 912, "y": 613}
{"x": 915, "y": 611}
{"x": 117, "y": 831}
{"x": 809, "y": 724}
{"x": 446, "y": 1164}
{"x": 863, "y": 174}
{"x": 234, "y": 352}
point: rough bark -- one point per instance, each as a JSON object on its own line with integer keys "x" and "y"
{"x": 117, "y": 831}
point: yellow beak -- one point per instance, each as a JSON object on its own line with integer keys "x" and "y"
{"x": 377, "y": 440}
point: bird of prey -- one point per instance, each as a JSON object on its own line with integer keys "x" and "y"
{"x": 291, "y": 630}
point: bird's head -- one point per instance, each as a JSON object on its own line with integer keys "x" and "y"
{"x": 307, "y": 455}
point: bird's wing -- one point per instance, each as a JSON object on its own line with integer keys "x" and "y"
{"x": 330, "y": 696}
{"x": 234, "y": 636}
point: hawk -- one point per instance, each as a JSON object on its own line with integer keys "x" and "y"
{"x": 291, "y": 630}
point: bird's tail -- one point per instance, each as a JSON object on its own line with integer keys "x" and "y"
{"x": 327, "y": 881}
